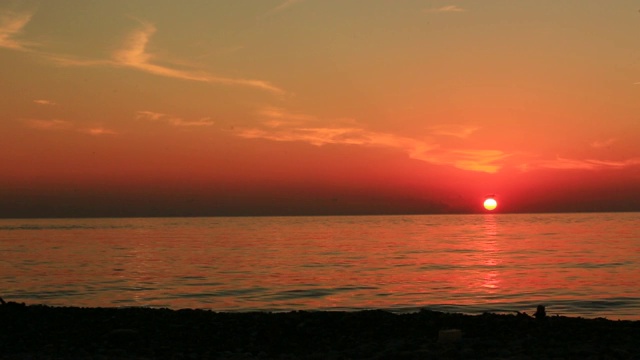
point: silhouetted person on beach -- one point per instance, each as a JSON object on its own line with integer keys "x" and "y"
{"x": 541, "y": 313}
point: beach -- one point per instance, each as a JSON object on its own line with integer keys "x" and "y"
{"x": 45, "y": 332}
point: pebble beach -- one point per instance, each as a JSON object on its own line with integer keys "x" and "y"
{"x": 45, "y": 332}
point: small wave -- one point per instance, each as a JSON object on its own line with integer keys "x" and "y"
{"x": 302, "y": 293}
{"x": 317, "y": 292}
{"x": 37, "y": 227}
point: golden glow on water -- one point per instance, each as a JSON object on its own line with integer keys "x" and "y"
{"x": 490, "y": 261}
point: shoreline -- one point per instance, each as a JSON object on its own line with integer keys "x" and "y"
{"x": 40, "y": 331}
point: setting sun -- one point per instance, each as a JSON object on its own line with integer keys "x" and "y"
{"x": 173, "y": 115}
{"x": 490, "y": 204}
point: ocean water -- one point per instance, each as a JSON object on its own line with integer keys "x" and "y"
{"x": 576, "y": 264}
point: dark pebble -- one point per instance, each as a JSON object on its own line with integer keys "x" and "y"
{"x": 43, "y": 332}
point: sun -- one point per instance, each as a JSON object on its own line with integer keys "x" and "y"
{"x": 490, "y": 203}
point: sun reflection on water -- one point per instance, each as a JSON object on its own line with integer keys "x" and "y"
{"x": 489, "y": 252}
{"x": 482, "y": 261}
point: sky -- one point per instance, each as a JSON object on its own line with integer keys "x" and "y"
{"x": 318, "y": 107}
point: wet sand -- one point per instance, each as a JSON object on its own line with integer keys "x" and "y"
{"x": 44, "y": 332}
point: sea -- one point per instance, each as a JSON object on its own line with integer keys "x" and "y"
{"x": 581, "y": 265}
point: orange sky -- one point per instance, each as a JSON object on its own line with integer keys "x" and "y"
{"x": 158, "y": 107}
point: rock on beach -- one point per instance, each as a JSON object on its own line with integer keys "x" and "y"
{"x": 45, "y": 332}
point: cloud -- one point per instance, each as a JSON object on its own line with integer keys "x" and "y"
{"x": 53, "y": 124}
{"x": 316, "y": 136}
{"x": 602, "y": 144}
{"x": 173, "y": 120}
{"x": 64, "y": 125}
{"x": 455, "y": 130}
{"x": 277, "y": 117}
{"x": 589, "y": 164}
{"x": 281, "y": 7}
{"x": 98, "y": 131}
{"x": 45, "y": 102}
{"x": 12, "y": 24}
{"x": 149, "y": 115}
{"x": 420, "y": 149}
{"x": 65, "y": 60}
{"x": 205, "y": 121}
{"x": 489, "y": 161}
{"x": 134, "y": 55}
{"x": 445, "y": 9}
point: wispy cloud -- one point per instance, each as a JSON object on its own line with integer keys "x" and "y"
{"x": 576, "y": 164}
{"x": 205, "y": 121}
{"x": 445, "y": 9}
{"x": 97, "y": 131}
{"x": 150, "y": 115}
{"x": 172, "y": 120}
{"x": 64, "y": 125}
{"x": 420, "y": 149}
{"x": 53, "y": 124}
{"x": 318, "y": 136}
{"x": 455, "y": 130}
{"x": 489, "y": 161}
{"x": 67, "y": 60}
{"x": 45, "y": 102}
{"x": 276, "y": 117}
{"x": 11, "y": 25}
{"x": 134, "y": 55}
{"x": 281, "y": 7}
{"x": 598, "y": 144}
